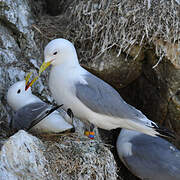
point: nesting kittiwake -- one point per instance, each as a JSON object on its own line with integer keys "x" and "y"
{"x": 148, "y": 157}
{"x": 32, "y": 113}
{"x": 90, "y": 98}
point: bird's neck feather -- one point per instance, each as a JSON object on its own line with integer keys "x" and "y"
{"x": 67, "y": 64}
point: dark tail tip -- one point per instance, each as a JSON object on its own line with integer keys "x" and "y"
{"x": 163, "y": 132}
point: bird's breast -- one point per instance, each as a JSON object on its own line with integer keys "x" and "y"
{"x": 62, "y": 87}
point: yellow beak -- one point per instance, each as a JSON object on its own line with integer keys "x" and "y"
{"x": 41, "y": 69}
{"x": 44, "y": 66}
{"x": 28, "y": 77}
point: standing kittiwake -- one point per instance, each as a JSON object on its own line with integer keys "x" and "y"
{"x": 148, "y": 157}
{"x": 32, "y": 113}
{"x": 90, "y": 98}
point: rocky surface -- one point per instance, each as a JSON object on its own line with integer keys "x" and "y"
{"x": 24, "y": 156}
{"x": 18, "y": 50}
{"x": 137, "y": 53}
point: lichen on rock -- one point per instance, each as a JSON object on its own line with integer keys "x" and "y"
{"x": 22, "y": 157}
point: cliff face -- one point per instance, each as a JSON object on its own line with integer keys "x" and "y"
{"x": 133, "y": 45}
{"x": 18, "y": 50}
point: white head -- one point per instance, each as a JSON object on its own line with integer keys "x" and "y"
{"x": 17, "y": 97}
{"x": 60, "y": 51}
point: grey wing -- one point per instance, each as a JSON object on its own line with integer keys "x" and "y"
{"x": 153, "y": 158}
{"x": 29, "y": 115}
{"x": 100, "y": 97}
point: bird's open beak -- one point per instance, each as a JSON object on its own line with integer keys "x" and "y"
{"x": 41, "y": 69}
{"x": 31, "y": 83}
{"x": 27, "y": 84}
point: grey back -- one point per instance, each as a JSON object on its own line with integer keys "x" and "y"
{"x": 153, "y": 158}
{"x": 29, "y": 115}
{"x": 100, "y": 97}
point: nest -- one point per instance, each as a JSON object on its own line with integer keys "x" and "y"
{"x": 77, "y": 157}
{"x": 95, "y": 26}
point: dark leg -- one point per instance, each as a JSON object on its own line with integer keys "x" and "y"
{"x": 91, "y": 133}
{"x": 91, "y": 127}
{"x": 71, "y": 115}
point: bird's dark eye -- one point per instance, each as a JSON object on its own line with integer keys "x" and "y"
{"x": 55, "y": 53}
{"x": 18, "y": 91}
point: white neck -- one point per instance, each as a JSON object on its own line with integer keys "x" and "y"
{"x": 72, "y": 63}
{"x": 66, "y": 65}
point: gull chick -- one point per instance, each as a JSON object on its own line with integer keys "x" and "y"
{"x": 90, "y": 98}
{"x": 32, "y": 113}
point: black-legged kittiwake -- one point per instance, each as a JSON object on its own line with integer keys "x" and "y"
{"x": 90, "y": 98}
{"x": 148, "y": 157}
{"x": 30, "y": 110}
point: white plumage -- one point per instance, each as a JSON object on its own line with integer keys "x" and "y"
{"x": 90, "y": 98}
{"x": 18, "y": 98}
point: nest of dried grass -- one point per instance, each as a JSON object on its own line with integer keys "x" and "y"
{"x": 76, "y": 157}
{"x": 96, "y": 26}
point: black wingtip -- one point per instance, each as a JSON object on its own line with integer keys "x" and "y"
{"x": 45, "y": 115}
{"x": 163, "y": 132}
{"x": 54, "y": 109}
